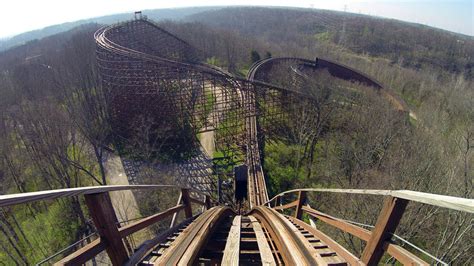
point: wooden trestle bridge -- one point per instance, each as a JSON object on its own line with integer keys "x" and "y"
{"x": 149, "y": 71}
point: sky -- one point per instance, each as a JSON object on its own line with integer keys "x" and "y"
{"x": 17, "y": 16}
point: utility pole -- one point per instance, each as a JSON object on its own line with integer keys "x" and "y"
{"x": 343, "y": 32}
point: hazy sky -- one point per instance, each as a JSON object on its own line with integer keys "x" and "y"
{"x": 17, "y": 16}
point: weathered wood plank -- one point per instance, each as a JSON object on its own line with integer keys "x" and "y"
{"x": 337, "y": 190}
{"x": 105, "y": 220}
{"x": 145, "y": 222}
{"x": 286, "y": 206}
{"x": 188, "y": 211}
{"x": 387, "y": 222}
{"x": 186, "y": 246}
{"x": 338, "y": 223}
{"x": 340, "y": 250}
{"x": 200, "y": 202}
{"x": 262, "y": 242}
{"x": 403, "y": 255}
{"x": 292, "y": 250}
{"x": 147, "y": 246}
{"x": 232, "y": 246}
{"x": 208, "y": 202}
{"x": 21, "y": 198}
{"x": 304, "y": 243}
{"x": 301, "y": 200}
{"x": 454, "y": 203}
{"x": 175, "y": 216}
{"x": 83, "y": 254}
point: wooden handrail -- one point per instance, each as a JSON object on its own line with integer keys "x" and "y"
{"x": 83, "y": 254}
{"x": 22, "y": 198}
{"x": 450, "y": 202}
{"x": 104, "y": 217}
{"x": 194, "y": 200}
{"x": 399, "y": 253}
{"x": 286, "y": 206}
{"x": 378, "y": 240}
{"x": 145, "y": 222}
{"x": 354, "y": 230}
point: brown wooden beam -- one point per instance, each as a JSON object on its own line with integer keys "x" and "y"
{"x": 301, "y": 201}
{"x": 145, "y": 222}
{"x": 208, "y": 202}
{"x": 387, "y": 222}
{"x": 354, "y": 230}
{"x": 105, "y": 220}
{"x": 402, "y": 255}
{"x": 286, "y": 206}
{"x": 83, "y": 254}
{"x": 200, "y": 202}
{"x": 188, "y": 211}
{"x": 340, "y": 250}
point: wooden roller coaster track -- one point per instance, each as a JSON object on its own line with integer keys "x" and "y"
{"x": 149, "y": 71}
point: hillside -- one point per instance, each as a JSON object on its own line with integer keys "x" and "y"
{"x": 412, "y": 45}
{"x": 155, "y": 14}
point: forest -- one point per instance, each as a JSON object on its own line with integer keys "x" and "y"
{"x": 55, "y": 130}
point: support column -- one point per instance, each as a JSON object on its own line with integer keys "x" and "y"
{"x": 105, "y": 220}
{"x": 387, "y": 222}
{"x": 188, "y": 211}
{"x": 301, "y": 201}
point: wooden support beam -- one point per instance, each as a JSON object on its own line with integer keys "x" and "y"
{"x": 387, "y": 222}
{"x": 301, "y": 201}
{"x": 277, "y": 201}
{"x": 340, "y": 250}
{"x": 354, "y": 230}
{"x": 173, "y": 220}
{"x": 147, "y": 246}
{"x": 402, "y": 255}
{"x": 208, "y": 202}
{"x": 83, "y": 254}
{"x": 200, "y": 202}
{"x": 287, "y": 206}
{"x": 145, "y": 222}
{"x": 105, "y": 220}
{"x": 188, "y": 211}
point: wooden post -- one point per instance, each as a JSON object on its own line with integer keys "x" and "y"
{"x": 105, "y": 220}
{"x": 301, "y": 201}
{"x": 278, "y": 201}
{"x": 188, "y": 211}
{"x": 387, "y": 222}
{"x": 173, "y": 220}
{"x": 208, "y": 202}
